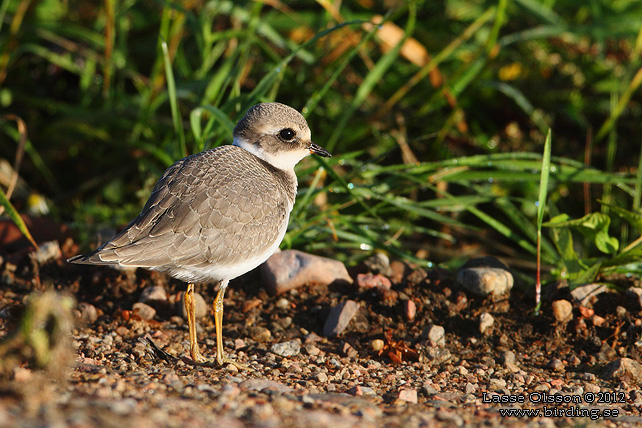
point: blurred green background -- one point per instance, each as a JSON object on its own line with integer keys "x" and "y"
{"x": 436, "y": 113}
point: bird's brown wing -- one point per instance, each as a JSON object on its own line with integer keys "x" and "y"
{"x": 215, "y": 207}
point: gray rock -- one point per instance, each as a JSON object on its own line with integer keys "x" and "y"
{"x": 47, "y": 251}
{"x": 260, "y": 334}
{"x": 287, "y": 349}
{"x": 153, "y": 295}
{"x": 606, "y": 353}
{"x": 436, "y": 334}
{"x": 485, "y": 281}
{"x": 508, "y": 357}
{"x": 321, "y": 377}
{"x": 340, "y": 317}
{"x": 144, "y": 311}
{"x": 86, "y": 313}
{"x": 290, "y": 269}
{"x": 199, "y": 303}
{"x": 360, "y": 390}
{"x": 562, "y": 311}
{"x": 378, "y": 263}
{"x": 625, "y": 369}
{"x": 556, "y": 364}
{"x": 486, "y": 321}
{"x": 584, "y": 293}
{"x": 496, "y": 384}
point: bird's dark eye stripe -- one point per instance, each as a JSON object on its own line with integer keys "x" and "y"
{"x": 286, "y": 134}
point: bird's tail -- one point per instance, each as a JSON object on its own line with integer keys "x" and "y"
{"x": 92, "y": 258}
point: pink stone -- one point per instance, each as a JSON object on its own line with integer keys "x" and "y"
{"x": 290, "y": 269}
{"x": 408, "y": 394}
{"x": 368, "y": 280}
{"x": 410, "y": 309}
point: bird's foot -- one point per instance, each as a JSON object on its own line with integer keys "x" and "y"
{"x": 221, "y": 361}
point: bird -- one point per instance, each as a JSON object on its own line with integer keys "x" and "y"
{"x": 218, "y": 214}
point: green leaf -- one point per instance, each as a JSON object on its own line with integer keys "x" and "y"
{"x": 15, "y": 217}
{"x": 594, "y": 226}
{"x": 632, "y": 217}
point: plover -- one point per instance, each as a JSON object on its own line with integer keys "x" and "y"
{"x": 218, "y": 214}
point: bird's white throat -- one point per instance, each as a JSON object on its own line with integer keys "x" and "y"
{"x": 283, "y": 159}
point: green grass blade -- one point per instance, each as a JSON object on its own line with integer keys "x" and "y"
{"x": 217, "y": 116}
{"x": 638, "y": 183}
{"x": 173, "y": 102}
{"x": 543, "y": 186}
{"x": 541, "y": 204}
{"x": 15, "y": 217}
{"x": 539, "y": 9}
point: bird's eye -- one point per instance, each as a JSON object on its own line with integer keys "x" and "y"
{"x": 286, "y": 134}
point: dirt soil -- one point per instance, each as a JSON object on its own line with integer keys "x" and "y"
{"x": 110, "y": 378}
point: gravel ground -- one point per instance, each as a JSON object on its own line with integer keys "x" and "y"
{"x": 393, "y": 365}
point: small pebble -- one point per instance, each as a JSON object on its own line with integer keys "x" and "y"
{"x": 584, "y": 293}
{"x": 408, "y": 394}
{"x": 606, "y": 353}
{"x": 562, "y": 311}
{"x": 485, "y": 281}
{"x": 312, "y": 350}
{"x": 486, "y": 322}
{"x": 153, "y": 295}
{"x": 410, "y": 309}
{"x": 260, "y": 334}
{"x": 589, "y": 377}
{"x": 287, "y": 349}
{"x": 624, "y": 368}
{"x": 321, "y": 377}
{"x": 349, "y": 351}
{"x": 361, "y": 390}
{"x": 496, "y": 384}
{"x": 283, "y": 304}
{"x": 86, "y": 313}
{"x": 436, "y": 334}
{"x": 47, "y": 251}
{"x": 376, "y": 344}
{"x": 379, "y": 263}
{"x": 417, "y": 276}
{"x": 368, "y": 280}
{"x": 398, "y": 271}
{"x": 144, "y": 311}
{"x": 597, "y": 320}
{"x": 339, "y": 318}
{"x": 507, "y": 357}
{"x": 556, "y": 364}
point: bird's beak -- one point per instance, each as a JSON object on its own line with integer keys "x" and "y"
{"x": 318, "y": 150}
